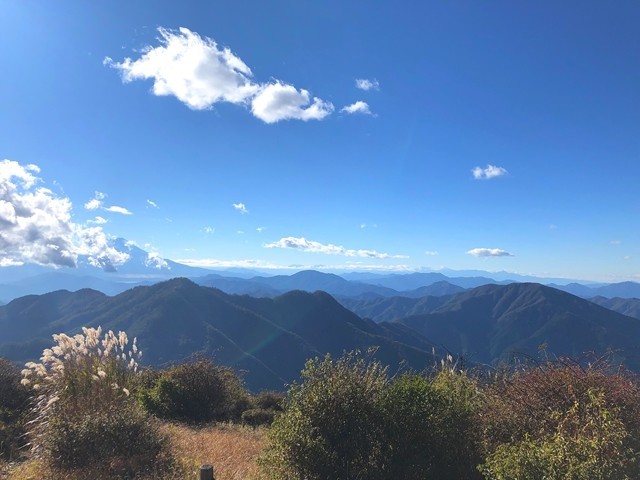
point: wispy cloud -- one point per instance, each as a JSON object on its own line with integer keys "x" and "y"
{"x": 616, "y": 242}
{"x": 490, "y": 171}
{"x": 200, "y": 74}
{"x": 241, "y": 207}
{"x": 116, "y": 209}
{"x": 209, "y": 230}
{"x": 358, "y": 107}
{"x": 368, "y": 225}
{"x": 151, "y": 203}
{"x": 311, "y": 246}
{"x": 37, "y": 224}
{"x": 261, "y": 229}
{"x": 366, "y": 85}
{"x": 489, "y": 252}
{"x": 98, "y": 220}
{"x": 431, "y": 253}
{"x": 97, "y": 202}
{"x": 264, "y": 265}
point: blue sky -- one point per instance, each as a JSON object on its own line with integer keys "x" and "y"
{"x": 487, "y": 135}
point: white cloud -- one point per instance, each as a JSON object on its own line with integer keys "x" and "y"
{"x": 358, "y": 107}
{"x": 209, "y": 230}
{"x": 490, "y": 171}
{"x": 98, "y": 220}
{"x": 366, "y": 85}
{"x": 36, "y": 225}
{"x": 431, "y": 253}
{"x": 151, "y": 203}
{"x": 116, "y": 209}
{"x": 261, "y": 229}
{"x": 241, "y": 207}
{"x": 616, "y": 242}
{"x": 489, "y": 252}
{"x": 200, "y": 74}
{"x": 301, "y": 243}
{"x": 365, "y": 225}
{"x": 97, "y": 202}
{"x": 154, "y": 260}
{"x": 261, "y": 264}
{"x": 278, "y": 101}
{"x": 240, "y": 232}
{"x": 627, "y": 257}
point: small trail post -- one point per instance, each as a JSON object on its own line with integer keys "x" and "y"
{"x": 206, "y": 472}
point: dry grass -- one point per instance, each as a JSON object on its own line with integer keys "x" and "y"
{"x": 231, "y": 449}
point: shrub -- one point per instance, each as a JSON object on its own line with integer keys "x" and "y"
{"x": 200, "y": 391}
{"x": 83, "y": 413}
{"x": 256, "y": 417}
{"x": 588, "y": 444}
{"x": 269, "y": 400}
{"x": 13, "y": 404}
{"x": 547, "y": 418}
{"x": 124, "y": 436}
{"x": 332, "y": 425}
{"x": 429, "y": 425}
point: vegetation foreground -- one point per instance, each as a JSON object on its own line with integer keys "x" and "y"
{"x": 86, "y": 410}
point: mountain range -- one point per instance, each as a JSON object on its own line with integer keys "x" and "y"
{"x": 145, "y": 268}
{"x": 271, "y": 338}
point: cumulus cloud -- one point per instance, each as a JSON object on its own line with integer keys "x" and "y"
{"x": 489, "y": 252}
{"x": 366, "y": 85}
{"x": 200, "y": 74}
{"x": 36, "y": 224}
{"x": 241, "y": 207}
{"x": 358, "y": 107}
{"x": 278, "y": 101}
{"x": 490, "y": 171}
{"x": 154, "y": 260}
{"x": 97, "y": 202}
{"x": 301, "y": 243}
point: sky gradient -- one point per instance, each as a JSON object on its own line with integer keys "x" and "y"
{"x": 347, "y": 135}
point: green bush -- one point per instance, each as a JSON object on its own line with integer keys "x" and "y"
{"x": 429, "y": 427}
{"x": 562, "y": 420}
{"x": 256, "y": 417}
{"x": 587, "y": 444}
{"x": 332, "y": 425}
{"x": 200, "y": 391}
{"x": 124, "y": 435}
{"x": 14, "y": 402}
{"x": 269, "y": 400}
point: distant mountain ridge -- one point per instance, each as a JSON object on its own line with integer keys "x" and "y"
{"x": 495, "y": 321}
{"x": 146, "y": 268}
{"x": 270, "y": 338}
